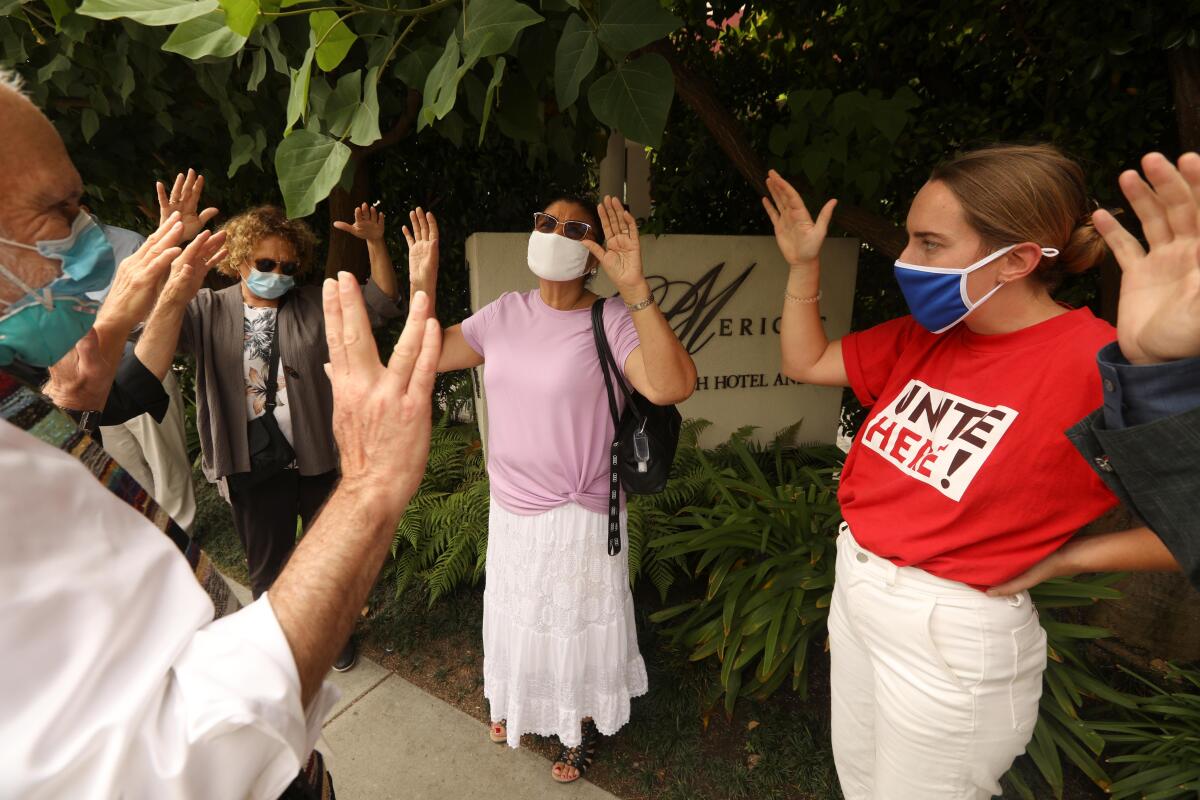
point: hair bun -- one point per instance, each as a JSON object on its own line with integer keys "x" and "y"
{"x": 1085, "y": 249}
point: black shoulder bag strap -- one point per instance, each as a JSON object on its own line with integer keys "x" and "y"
{"x": 273, "y": 365}
{"x": 614, "y": 456}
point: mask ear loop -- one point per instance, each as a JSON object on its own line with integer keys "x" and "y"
{"x": 44, "y": 297}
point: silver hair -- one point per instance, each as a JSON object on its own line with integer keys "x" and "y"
{"x": 12, "y": 80}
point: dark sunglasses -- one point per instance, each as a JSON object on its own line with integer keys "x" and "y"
{"x": 270, "y": 265}
{"x": 572, "y": 228}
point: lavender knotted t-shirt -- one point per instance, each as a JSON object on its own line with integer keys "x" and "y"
{"x": 549, "y": 426}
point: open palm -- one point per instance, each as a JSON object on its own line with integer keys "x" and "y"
{"x": 369, "y": 224}
{"x": 798, "y": 235}
{"x": 1158, "y": 314}
{"x": 621, "y": 255}
{"x": 184, "y": 198}
{"x": 422, "y": 238}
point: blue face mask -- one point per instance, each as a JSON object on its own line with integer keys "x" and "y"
{"x": 937, "y": 296}
{"x": 269, "y": 285}
{"x": 44, "y": 324}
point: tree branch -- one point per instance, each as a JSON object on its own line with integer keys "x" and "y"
{"x": 874, "y": 229}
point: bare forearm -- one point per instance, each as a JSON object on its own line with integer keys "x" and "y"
{"x": 801, "y": 334}
{"x": 669, "y": 368}
{"x": 159, "y": 340}
{"x": 382, "y": 271}
{"x": 1135, "y": 550}
{"x": 326, "y": 581}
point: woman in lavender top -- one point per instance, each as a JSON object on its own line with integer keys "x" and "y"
{"x": 560, "y": 648}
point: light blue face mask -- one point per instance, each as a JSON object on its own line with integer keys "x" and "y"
{"x": 44, "y": 324}
{"x": 269, "y": 285}
{"x": 937, "y": 296}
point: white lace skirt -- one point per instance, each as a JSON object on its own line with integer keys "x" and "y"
{"x": 559, "y": 640}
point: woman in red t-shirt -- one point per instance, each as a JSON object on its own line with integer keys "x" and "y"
{"x": 961, "y": 478}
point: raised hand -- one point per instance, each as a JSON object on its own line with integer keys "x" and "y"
{"x": 798, "y": 235}
{"x": 189, "y": 269}
{"x": 1158, "y": 313}
{"x": 422, "y": 240}
{"x": 621, "y": 255}
{"x": 139, "y": 279}
{"x": 184, "y": 199}
{"x": 83, "y": 378}
{"x": 369, "y": 224}
{"x": 381, "y": 415}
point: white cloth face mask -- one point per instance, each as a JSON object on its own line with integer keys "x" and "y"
{"x": 556, "y": 258}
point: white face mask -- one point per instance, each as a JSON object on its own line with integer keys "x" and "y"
{"x": 556, "y": 258}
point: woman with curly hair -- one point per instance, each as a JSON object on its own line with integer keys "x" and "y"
{"x": 260, "y": 352}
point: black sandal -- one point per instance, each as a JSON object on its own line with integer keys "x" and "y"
{"x": 581, "y": 756}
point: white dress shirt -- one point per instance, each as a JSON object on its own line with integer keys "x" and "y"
{"x": 115, "y": 682}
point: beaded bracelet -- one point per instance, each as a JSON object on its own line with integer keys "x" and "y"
{"x": 789, "y": 296}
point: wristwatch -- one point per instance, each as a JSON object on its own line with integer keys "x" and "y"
{"x": 88, "y": 421}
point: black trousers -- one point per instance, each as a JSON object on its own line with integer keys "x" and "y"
{"x": 265, "y": 520}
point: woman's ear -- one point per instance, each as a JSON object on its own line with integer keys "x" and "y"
{"x": 1019, "y": 262}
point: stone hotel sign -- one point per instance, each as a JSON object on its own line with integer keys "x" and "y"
{"x": 723, "y": 296}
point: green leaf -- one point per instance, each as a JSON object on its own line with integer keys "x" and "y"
{"x": 493, "y": 84}
{"x": 240, "y": 153}
{"x": 492, "y": 27}
{"x": 240, "y": 15}
{"x": 343, "y": 102}
{"x": 441, "y": 85}
{"x": 298, "y": 93}
{"x": 335, "y": 37}
{"x": 574, "y": 58}
{"x": 626, "y": 25}
{"x": 635, "y": 98}
{"x": 148, "y": 12}
{"x": 89, "y": 123}
{"x": 54, "y": 65}
{"x": 58, "y": 9}
{"x": 204, "y": 36}
{"x": 364, "y": 126}
{"x": 270, "y": 38}
{"x": 309, "y": 165}
{"x": 414, "y": 68}
{"x": 258, "y": 69}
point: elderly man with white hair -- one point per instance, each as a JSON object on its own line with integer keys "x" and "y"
{"x": 116, "y": 681}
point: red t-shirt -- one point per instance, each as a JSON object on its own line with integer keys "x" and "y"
{"x": 962, "y": 467}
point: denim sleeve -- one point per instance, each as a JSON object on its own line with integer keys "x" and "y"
{"x": 1155, "y": 469}
{"x": 1139, "y": 394}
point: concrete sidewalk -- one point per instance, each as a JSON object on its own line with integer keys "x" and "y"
{"x": 386, "y": 739}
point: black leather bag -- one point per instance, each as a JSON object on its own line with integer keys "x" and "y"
{"x": 646, "y": 436}
{"x": 270, "y": 452}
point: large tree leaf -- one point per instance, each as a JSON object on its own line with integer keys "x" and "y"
{"x": 491, "y": 26}
{"x": 626, "y": 25}
{"x": 364, "y": 126}
{"x": 441, "y": 85}
{"x": 574, "y": 58}
{"x": 204, "y": 36}
{"x": 298, "y": 93}
{"x": 240, "y": 15}
{"x": 489, "y": 96}
{"x": 148, "y": 12}
{"x": 308, "y": 165}
{"x": 343, "y": 102}
{"x": 335, "y": 37}
{"x": 414, "y": 68}
{"x": 634, "y": 98}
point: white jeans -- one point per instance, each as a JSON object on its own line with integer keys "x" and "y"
{"x": 935, "y": 685}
